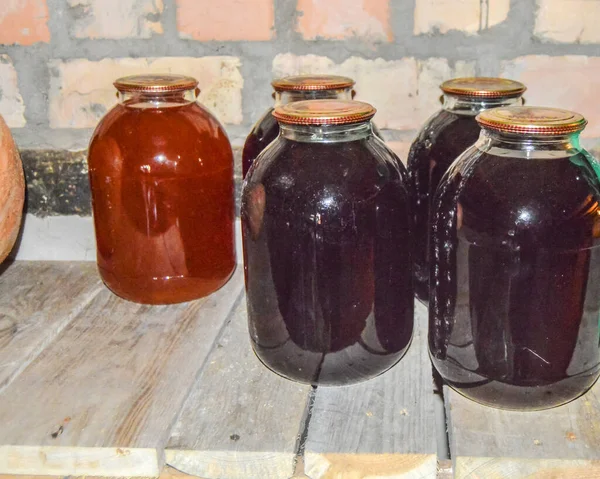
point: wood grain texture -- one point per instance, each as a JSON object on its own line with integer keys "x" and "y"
{"x": 484, "y": 439}
{"x": 240, "y": 420}
{"x": 507, "y": 468}
{"x": 113, "y": 380}
{"x": 32, "y": 314}
{"x": 384, "y": 427}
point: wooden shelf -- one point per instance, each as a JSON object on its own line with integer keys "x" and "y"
{"x": 94, "y": 385}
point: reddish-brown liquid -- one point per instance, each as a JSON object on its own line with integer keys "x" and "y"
{"x": 162, "y": 191}
{"x": 445, "y": 136}
{"x": 328, "y": 260}
{"x": 515, "y": 279}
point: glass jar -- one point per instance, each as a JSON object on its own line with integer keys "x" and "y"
{"x": 445, "y": 136}
{"x": 515, "y": 263}
{"x": 327, "y": 249}
{"x": 287, "y": 90}
{"x": 161, "y": 176}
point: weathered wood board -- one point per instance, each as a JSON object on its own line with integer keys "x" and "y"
{"x": 37, "y": 300}
{"x": 384, "y": 427}
{"x": 102, "y": 398}
{"x": 559, "y": 442}
{"x": 241, "y": 421}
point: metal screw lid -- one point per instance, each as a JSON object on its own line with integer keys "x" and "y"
{"x": 160, "y": 83}
{"x": 312, "y": 83}
{"x": 483, "y": 87}
{"x": 531, "y": 120}
{"x": 324, "y": 112}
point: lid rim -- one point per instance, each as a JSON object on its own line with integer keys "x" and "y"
{"x": 155, "y": 83}
{"x": 324, "y": 112}
{"x": 319, "y": 83}
{"x": 528, "y": 120}
{"x": 483, "y": 87}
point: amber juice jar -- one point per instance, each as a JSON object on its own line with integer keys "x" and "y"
{"x": 446, "y": 135}
{"x": 327, "y": 250}
{"x": 287, "y": 90}
{"x": 515, "y": 263}
{"x": 161, "y": 176}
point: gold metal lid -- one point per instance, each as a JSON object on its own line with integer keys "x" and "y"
{"x": 531, "y": 120}
{"x": 324, "y": 112}
{"x": 483, "y": 87}
{"x": 312, "y": 83}
{"x": 160, "y": 83}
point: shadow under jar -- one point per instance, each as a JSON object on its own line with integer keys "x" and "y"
{"x": 327, "y": 247}
{"x": 515, "y": 263}
{"x": 161, "y": 176}
{"x": 446, "y": 135}
{"x": 287, "y": 90}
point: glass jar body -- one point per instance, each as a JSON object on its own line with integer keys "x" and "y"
{"x": 161, "y": 176}
{"x": 327, "y": 258}
{"x": 442, "y": 139}
{"x": 515, "y": 272}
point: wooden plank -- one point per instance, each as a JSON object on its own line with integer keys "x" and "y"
{"x": 384, "y": 427}
{"x": 485, "y": 440}
{"x": 241, "y": 420}
{"x": 166, "y": 473}
{"x": 32, "y": 314}
{"x": 105, "y": 394}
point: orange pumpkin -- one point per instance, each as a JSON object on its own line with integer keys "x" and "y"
{"x": 12, "y": 191}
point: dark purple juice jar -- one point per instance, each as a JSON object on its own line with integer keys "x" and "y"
{"x": 287, "y": 90}
{"x": 327, "y": 247}
{"x": 515, "y": 263}
{"x": 445, "y": 136}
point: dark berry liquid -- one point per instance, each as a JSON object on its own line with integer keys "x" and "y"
{"x": 328, "y": 260}
{"x": 261, "y": 136}
{"x": 515, "y": 279}
{"x": 441, "y": 140}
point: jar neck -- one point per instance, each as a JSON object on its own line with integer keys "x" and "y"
{"x": 326, "y": 133}
{"x": 474, "y": 106}
{"x": 285, "y": 97}
{"x": 519, "y": 145}
{"x": 136, "y": 99}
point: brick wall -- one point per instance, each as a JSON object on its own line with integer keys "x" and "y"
{"x": 58, "y": 59}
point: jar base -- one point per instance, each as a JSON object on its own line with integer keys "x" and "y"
{"x": 161, "y": 291}
{"x": 349, "y": 366}
{"x": 501, "y": 395}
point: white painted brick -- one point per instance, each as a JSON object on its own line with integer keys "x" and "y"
{"x": 81, "y": 91}
{"x": 568, "y": 21}
{"x": 12, "y": 107}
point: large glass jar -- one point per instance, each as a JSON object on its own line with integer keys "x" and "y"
{"x": 515, "y": 263}
{"x": 445, "y": 136}
{"x": 161, "y": 176}
{"x": 327, "y": 248}
{"x": 287, "y": 90}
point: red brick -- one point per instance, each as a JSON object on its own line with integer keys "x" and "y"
{"x": 225, "y": 20}
{"x": 339, "y": 19}
{"x": 23, "y": 22}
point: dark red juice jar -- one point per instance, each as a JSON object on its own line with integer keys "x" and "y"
{"x": 446, "y": 135}
{"x": 327, "y": 249}
{"x": 287, "y": 90}
{"x": 515, "y": 263}
{"x": 161, "y": 176}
